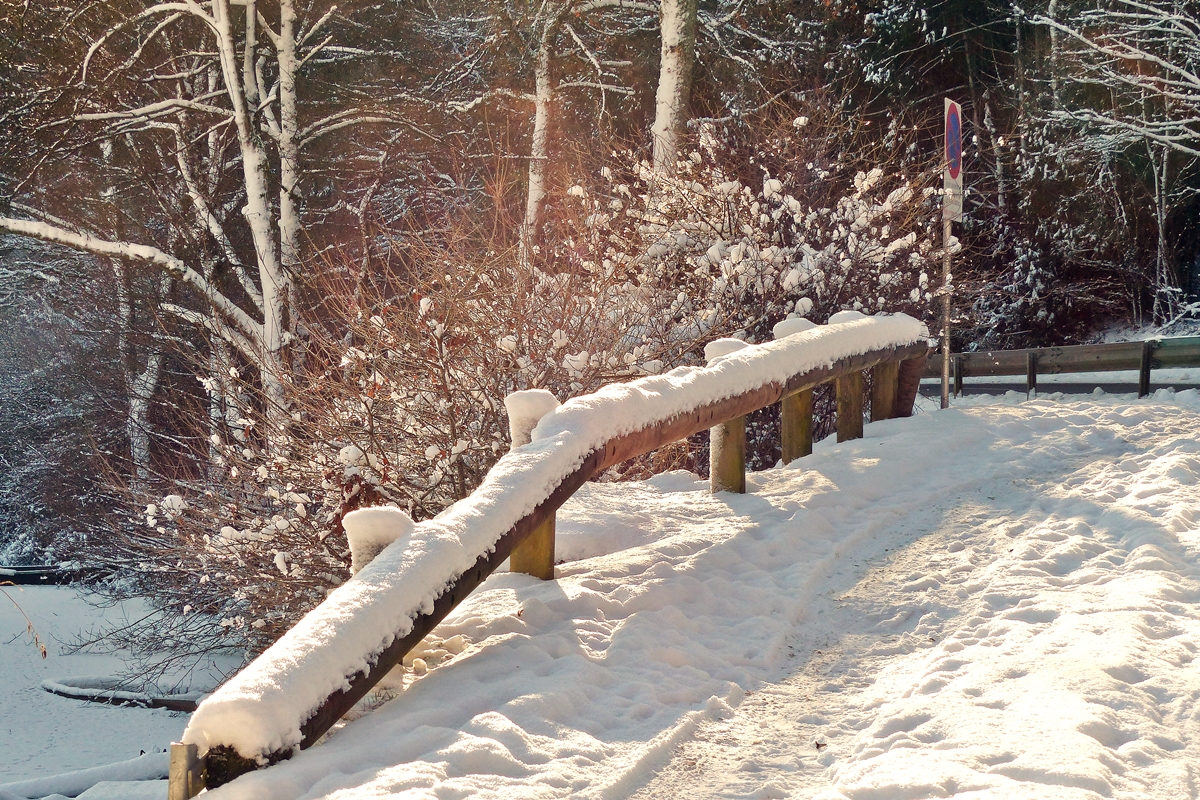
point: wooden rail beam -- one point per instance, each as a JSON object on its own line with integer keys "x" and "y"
{"x": 1116, "y": 356}
{"x": 223, "y": 763}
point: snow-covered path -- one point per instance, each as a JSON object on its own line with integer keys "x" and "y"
{"x": 991, "y": 601}
{"x": 1038, "y": 641}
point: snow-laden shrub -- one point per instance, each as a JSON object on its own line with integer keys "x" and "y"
{"x": 803, "y": 237}
{"x": 748, "y": 232}
{"x": 401, "y": 398}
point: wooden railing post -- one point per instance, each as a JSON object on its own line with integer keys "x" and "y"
{"x": 1030, "y": 373}
{"x": 884, "y": 382}
{"x": 849, "y": 406}
{"x": 796, "y": 425}
{"x": 185, "y": 776}
{"x": 958, "y": 375}
{"x": 795, "y": 410}
{"x": 534, "y": 555}
{"x": 908, "y": 384}
{"x": 727, "y": 456}
{"x": 727, "y": 441}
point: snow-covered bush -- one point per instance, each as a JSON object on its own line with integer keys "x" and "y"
{"x": 400, "y": 401}
{"x": 752, "y": 228}
{"x": 804, "y": 237}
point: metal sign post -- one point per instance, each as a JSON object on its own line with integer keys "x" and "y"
{"x": 952, "y": 202}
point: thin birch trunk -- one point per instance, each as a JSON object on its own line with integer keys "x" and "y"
{"x": 677, "y": 22}
{"x": 274, "y": 281}
{"x": 1165, "y": 300}
{"x": 289, "y": 143}
{"x": 140, "y": 384}
{"x": 539, "y": 146}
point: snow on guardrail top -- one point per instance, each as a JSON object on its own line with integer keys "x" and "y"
{"x": 262, "y": 708}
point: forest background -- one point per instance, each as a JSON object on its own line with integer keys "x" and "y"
{"x": 265, "y": 261}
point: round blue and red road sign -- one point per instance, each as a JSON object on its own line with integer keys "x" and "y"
{"x": 953, "y": 140}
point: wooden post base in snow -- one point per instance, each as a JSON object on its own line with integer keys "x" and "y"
{"x": 185, "y": 778}
{"x": 795, "y": 425}
{"x": 727, "y": 456}
{"x": 849, "y": 406}
{"x": 883, "y": 390}
{"x": 535, "y": 555}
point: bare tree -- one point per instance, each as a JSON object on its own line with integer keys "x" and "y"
{"x": 1132, "y": 74}
{"x": 199, "y": 142}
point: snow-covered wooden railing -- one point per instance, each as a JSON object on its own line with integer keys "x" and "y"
{"x": 295, "y": 691}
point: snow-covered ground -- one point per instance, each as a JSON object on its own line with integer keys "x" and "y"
{"x": 42, "y": 734}
{"x": 996, "y": 600}
{"x": 999, "y": 600}
{"x": 1123, "y": 332}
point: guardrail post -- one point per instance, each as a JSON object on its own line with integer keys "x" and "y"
{"x": 795, "y": 425}
{"x": 1144, "y": 369}
{"x": 727, "y": 456}
{"x": 1030, "y": 373}
{"x": 727, "y": 441}
{"x": 186, "y": 772}
{"x": 908, "y": 384}
{"x": 884, "y": 383}
{"x": 535, "y": 555}
{"x": 958, "y": 375}
{"x": 795, "y": 410}
{"x": 849, "y": 406}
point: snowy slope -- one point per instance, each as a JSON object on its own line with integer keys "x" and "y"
{"x": 991, "y": 601}
{"x": 42, "y": 734}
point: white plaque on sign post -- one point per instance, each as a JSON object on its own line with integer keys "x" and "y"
{"x": 952, "y": 177}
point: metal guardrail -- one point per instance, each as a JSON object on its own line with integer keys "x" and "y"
{"x": 1119, "y": 356}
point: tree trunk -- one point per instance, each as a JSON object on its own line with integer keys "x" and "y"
{"x": 257, "y": 211}
{"x": 1166, "y": 303}
{"x": 539, "y": 147}
{"x": 677, "y": 22}
{"x": 289, "y": 144}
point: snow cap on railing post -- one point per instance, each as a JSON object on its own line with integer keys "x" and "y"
{"x": 722, "y": 347}
{"x": 791, "y": 325}
{"x": 369, "y": 530}
{"x": 525, "y": 409}
{"x": 849, "y": 315}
